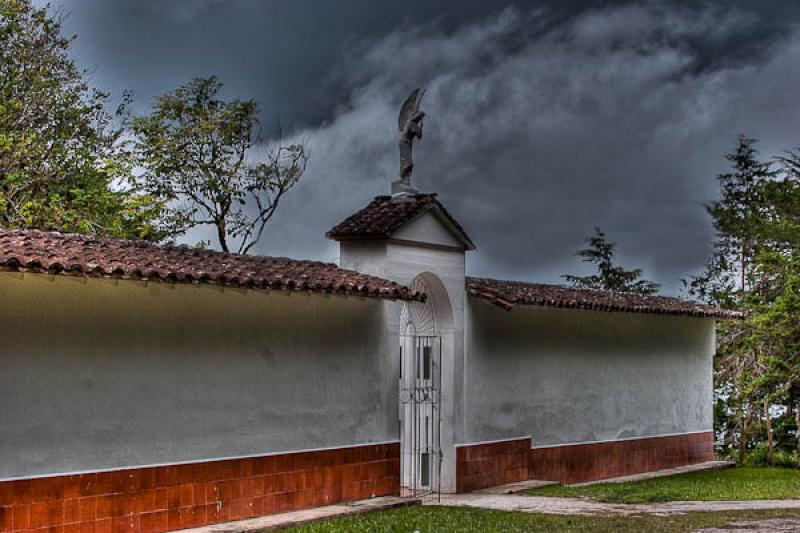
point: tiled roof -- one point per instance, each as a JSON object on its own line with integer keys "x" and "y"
{"x": 82, "y": 255}
{"x": 385, "y": 215}
{"x": 509, "y": 294}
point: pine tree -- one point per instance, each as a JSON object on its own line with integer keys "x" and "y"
{"x": 739, "y": 217}
{"x": 755, "y": 266}
{"x": 609, "y": 276}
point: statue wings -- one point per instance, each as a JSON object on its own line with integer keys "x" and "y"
{"x": 410, "y": 107}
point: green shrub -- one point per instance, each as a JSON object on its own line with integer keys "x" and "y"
{"x": 759, "y": 456}
{"x": 786, "y": 458}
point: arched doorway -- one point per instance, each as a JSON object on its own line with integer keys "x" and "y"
{"x": 422, "y": 325}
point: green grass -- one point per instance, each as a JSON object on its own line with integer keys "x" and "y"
{"x": 725, "y": 484}
{"x": 459, "y": 519}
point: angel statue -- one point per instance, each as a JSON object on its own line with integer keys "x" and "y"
{"x": 410, "y": 124}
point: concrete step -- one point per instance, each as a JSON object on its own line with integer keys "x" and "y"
{"x": 511, "y": 488}
{"x": 294, "y": 518}
{"x": 698, "y": 467}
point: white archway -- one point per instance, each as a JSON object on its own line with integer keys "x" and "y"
{"x": 426, "y": 330}
{"x": 434, "y": 316}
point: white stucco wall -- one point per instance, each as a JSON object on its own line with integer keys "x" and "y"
{"x": 102, "y": 374}
{"x": 564, "y": 376}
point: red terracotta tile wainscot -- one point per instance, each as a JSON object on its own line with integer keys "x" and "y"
{"x": 576, "y": 463}
{"x": 163, "y": 498}
{"x": 490, "y": 464}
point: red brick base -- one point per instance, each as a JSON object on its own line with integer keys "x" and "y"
{"x": 188, "y": 495}
{"x": 490, "y": 464}
{"x": 588, "y": 462}
{"x": 497, "y": 463}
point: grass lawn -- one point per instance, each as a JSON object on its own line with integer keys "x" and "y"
{"x": 724, "y": 484}
{"x": 459, "y": 519}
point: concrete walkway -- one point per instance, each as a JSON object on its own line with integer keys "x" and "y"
{"x": 585, "y": 506}
{"x": 295, "y": 518}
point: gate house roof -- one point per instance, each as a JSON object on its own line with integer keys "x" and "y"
{"x": 83, "y": 255}
{"x": 509, "y": 294}
{"x": 384, "y": 216}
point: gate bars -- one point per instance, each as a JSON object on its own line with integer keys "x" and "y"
{"x": 420, "y": 409}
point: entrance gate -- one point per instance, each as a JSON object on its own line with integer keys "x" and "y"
{"x": 420, "y": 408}
{"x": 420, "y": 397}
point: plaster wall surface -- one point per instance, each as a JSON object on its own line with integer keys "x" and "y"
{"x": 101, "y": 374}
{"x": 427, "y": 229}
{"x": 367, "y": 257}
{"x": 566, "y": 376}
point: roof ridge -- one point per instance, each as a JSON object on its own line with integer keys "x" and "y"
{"x": 99, "y": 256}
{"x": 586, "y": 289}
{"x": 171, "y": 245}
{"x": 508, "y": 294}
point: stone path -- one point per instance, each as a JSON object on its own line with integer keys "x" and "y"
{"x": 585, "y": 506}
{"x": 295, "y": 518}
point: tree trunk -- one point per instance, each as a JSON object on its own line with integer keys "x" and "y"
{"x": 770, "y": 447}
{"x": 222, "y": 235}
{"x": 742, "y": 434}
{"x": 742, "y": 273}
{"x": 797, "y": 434}
{"x": 790, "y": 402}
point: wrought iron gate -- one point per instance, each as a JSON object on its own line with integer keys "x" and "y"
{"x": 420, "y": 407}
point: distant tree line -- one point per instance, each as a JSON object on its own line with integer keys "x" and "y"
{"x": 68, "y": 163}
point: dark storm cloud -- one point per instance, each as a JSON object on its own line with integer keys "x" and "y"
{"x": 285, "y": 54}
{"x": 543, "y": 120}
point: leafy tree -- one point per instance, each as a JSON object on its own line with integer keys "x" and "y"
{"x": 196, "y": 149}
{"x": 60, "y": 166}
{"x": 609, "y": 276}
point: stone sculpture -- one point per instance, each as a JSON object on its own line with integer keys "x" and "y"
{"x": 410, "y": 124}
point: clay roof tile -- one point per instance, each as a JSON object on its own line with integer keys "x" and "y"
{"x": 82, "y": 255}
{"x": 385, "y": 215}
{"x": 509, "y": 294}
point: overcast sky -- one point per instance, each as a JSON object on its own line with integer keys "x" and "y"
{"x": 544, "y": 119}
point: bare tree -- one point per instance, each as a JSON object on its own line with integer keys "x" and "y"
{"x": 196, "y": 152}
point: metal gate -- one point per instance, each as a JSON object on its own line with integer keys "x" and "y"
{"x": 420, "y": 408}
